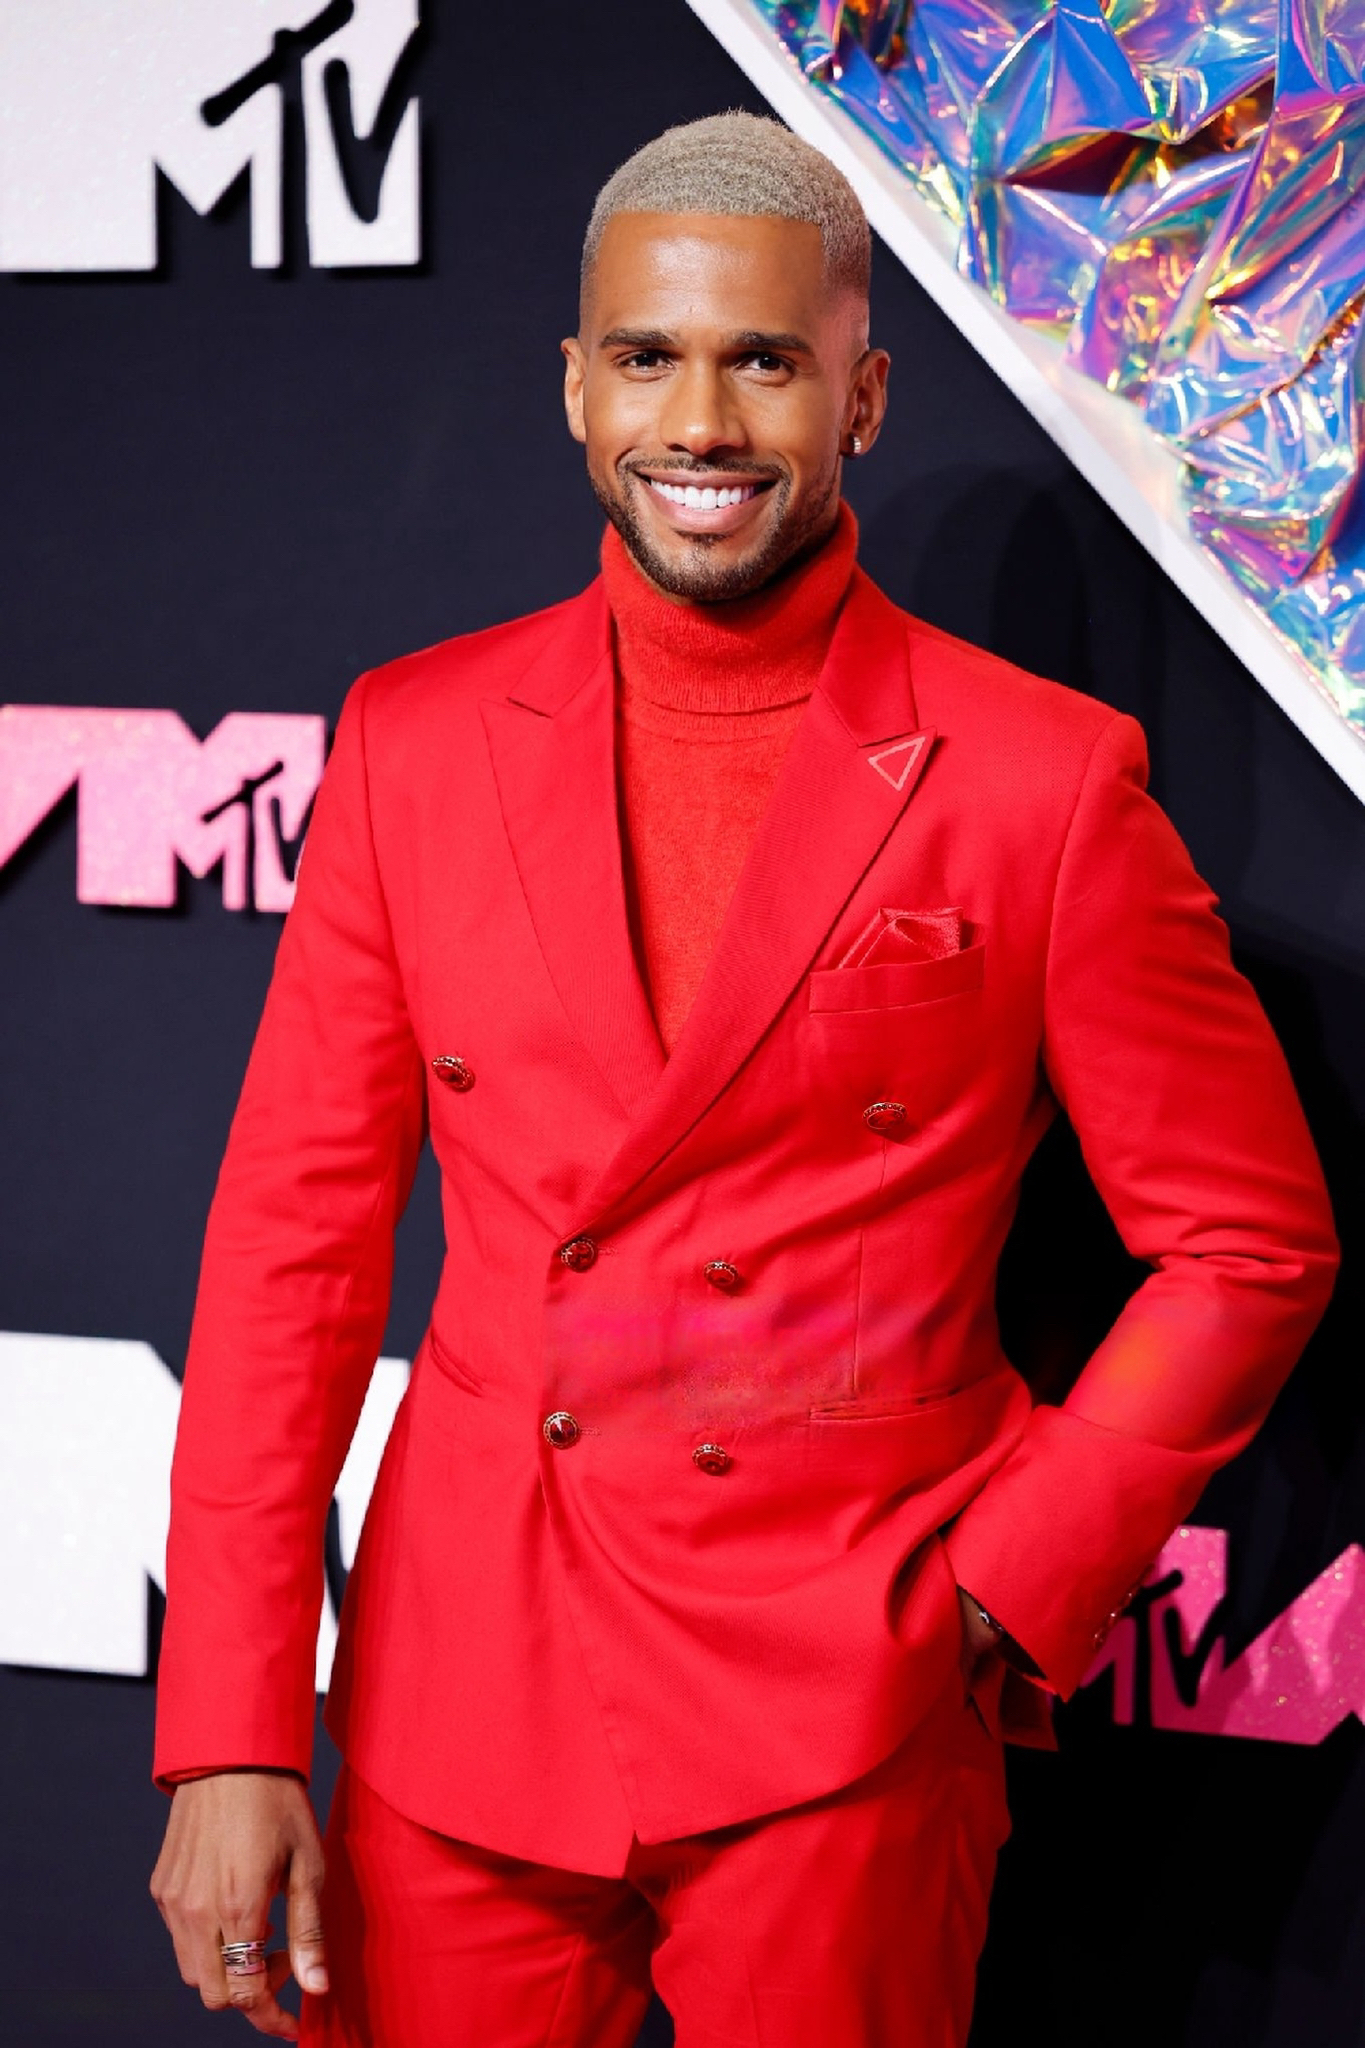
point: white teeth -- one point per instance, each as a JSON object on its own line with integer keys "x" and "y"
{"x": 706, "y": 498}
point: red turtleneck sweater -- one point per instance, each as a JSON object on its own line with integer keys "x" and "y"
{"x": 708, "y": 697}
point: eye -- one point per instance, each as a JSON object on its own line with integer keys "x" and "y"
{"x": 643, "y": 359}
{"x": 766, "y": 363}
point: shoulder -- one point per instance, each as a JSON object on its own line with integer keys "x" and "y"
{"x": 420, "y": 717}
{"x": 1018, "y": 736}
{"x": 459, "y": 671}
{"x": 970, "y": 687}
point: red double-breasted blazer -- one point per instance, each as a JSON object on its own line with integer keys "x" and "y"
{"x": 548, "y": 1648}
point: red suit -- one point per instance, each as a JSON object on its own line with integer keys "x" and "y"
{"x": 724, "y": 1583}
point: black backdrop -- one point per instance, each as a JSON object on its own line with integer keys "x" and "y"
{"x": 231, "y": 491}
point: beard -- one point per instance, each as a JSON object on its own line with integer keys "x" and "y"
{"x": 795, "y": 529}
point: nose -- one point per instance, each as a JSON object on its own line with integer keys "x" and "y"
{"x": 700, "y": 414}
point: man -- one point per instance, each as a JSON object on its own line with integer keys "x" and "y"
{"x": 736, "y": 937}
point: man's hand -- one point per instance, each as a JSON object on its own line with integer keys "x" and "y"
{"x": 980, "y": 1640}
{"x": 234, "y": 1840}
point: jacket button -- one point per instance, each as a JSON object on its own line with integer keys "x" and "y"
{"x": 711, "y": 1458}
{"x": 721, "y": 1274}
{"x": 578, "y": 1254}
{"x": 560, "y": 1430}
{"x": 885, "y": 1117}
{"x": 455, "y": 1072}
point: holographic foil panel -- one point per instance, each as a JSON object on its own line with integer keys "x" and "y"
{"x": 1176, "y": 189}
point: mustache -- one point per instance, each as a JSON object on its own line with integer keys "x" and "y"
{"x": 694, "y": 465}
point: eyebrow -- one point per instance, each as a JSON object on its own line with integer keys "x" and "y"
{"x": 750, "y": 338}
{"x": 636, "y": 337}
{"x": 788, "y": 344}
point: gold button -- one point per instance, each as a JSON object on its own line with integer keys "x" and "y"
{"x": 455, "y": 1072}
{"x": 721, "y": 1274}
{"x": 560, "y": 1430}
{"x": 885, "y": 1117}
{"x": 578, "y": 1254}
{"x": 712, "y": 1458}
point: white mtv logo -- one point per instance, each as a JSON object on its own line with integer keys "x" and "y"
{"x": 86, "y": 1430}
{"x": 96, "y": 96}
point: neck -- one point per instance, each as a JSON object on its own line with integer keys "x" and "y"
{"x": 746, "y": 654}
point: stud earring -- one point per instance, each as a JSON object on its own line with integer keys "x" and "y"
{"x": 857, "y": 447}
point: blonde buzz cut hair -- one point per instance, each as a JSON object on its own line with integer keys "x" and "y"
{"x": 745, "y": 165}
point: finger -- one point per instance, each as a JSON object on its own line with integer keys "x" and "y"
{"x": 254, "y": 1996}
{"x": 303, "y": 1906}
{"x": 243, "y": 1979}
{"x": 194, "y": 1931}
{"x": 269, "y": 2016}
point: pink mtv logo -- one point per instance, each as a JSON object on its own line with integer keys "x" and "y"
{"x": 1300, "y": 1678}
{"x": 151, "y": 795}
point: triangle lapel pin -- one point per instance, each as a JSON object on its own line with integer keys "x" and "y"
{"x": 896, "y": 764}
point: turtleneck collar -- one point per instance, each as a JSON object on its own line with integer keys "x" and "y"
{"x": 750, "y": 654}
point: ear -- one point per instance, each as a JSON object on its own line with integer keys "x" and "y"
{"x": 575, "y": 369}
{"x": 866, "y": 406}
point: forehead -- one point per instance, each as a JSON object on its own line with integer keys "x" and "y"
{"x": 700, "y": 269}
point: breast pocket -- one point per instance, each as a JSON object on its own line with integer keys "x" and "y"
{"x": 904, "y": 1032}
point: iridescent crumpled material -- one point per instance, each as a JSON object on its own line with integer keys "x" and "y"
{"x": 1177, "y": 189}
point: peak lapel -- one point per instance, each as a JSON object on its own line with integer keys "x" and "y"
{"x": 853, "y": 764}
{"x": 552, "y": 742}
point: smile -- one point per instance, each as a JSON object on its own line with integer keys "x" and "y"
{"x": 702, "y": 498}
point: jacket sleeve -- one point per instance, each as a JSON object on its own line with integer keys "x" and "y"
{"x": 1160, "y": 1054}
{"x": 293, "y": 1298}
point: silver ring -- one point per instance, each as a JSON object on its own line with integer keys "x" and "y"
{"x": 243, "y": 1958}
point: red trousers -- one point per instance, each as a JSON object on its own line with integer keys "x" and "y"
{"x": 851, "y": 1922}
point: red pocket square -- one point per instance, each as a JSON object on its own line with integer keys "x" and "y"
{"x": 907, "y": 935}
